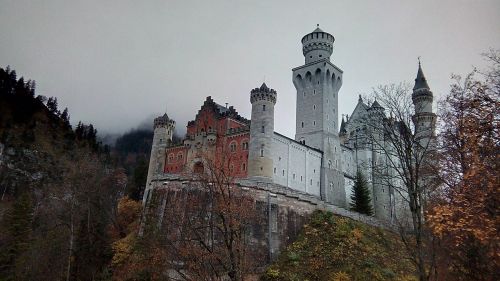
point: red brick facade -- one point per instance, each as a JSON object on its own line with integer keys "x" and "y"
{"x": 217, "y": 133}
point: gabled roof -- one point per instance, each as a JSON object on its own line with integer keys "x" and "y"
{"x": 220, "y": 111}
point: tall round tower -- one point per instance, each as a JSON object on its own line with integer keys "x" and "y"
{"x": 163, "y": 131}
{"x": 260, "y": 162}
{"x": 318, "y": 82}
{"x": 424, "y": 119}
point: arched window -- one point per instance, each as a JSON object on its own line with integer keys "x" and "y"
{"x": 302, "y": 124}
{"x": 329, "y": 164}
{"x": 263, "y": 129}
{"x": 232, "y": 146}
{"x": 263, "y": 107}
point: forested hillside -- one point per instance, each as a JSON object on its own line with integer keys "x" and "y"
{"x": 333, "y": 248}
{"x": 59, "y": 190}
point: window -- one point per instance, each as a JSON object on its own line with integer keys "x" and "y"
{"x": 314, "y": 107}
{"x": 232, "y": 146}
{"x": 262, "y": 151}
{"x": 302, "y": 124}
{"x": 326, "y": 100}
{"x": 300, "y": 178}
{"x": 314, "y": 123}
{"x": 275, "y": 171}
{"x": 314, "y": 171}
{"x": 244, "y": 167}
{"x": 245, "y": 145}
{"x": 330, "y": 164}
{"x": 311, "y": 182}
{"x": 263, "y": 129}
{"x": 263, "y": 107}
{"x": 314, "y": 92}
{"x": 293, "y": 176}
{"x": 304, "y": 94}
{"x": 283, "y": 172}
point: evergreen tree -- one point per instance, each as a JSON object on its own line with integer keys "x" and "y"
{"x": 65, "y": 118}
{"x": 52, "y": 105}
{"x": 360, "y": 198}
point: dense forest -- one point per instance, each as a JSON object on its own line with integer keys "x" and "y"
{"x": 60, "y": 189}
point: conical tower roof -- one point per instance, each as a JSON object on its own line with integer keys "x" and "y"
{"x": 420, "y": 81}
{"x": 376, "y": 104}
{"x": 342, "y": 126}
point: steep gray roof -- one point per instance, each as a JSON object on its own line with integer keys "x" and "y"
{"x": 376, "y": 104}
{"x": 342, "y": 126}
{"x": 420, "y": 81}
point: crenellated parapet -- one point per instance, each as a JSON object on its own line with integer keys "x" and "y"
{"x": 164, "y": 121}
{"x": 317, "y": 45}
{"x": 263, "y": 94}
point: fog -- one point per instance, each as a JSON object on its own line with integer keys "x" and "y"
{"x": 118, "y": 63}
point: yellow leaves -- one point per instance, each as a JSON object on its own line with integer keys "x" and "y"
{"x": 341, "y": 276}
{"x": 122, "y": 249}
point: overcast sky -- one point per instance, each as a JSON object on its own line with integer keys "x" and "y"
{"x": 118, "y": 63}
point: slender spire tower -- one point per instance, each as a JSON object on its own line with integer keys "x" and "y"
{"x": 317, "y": 83}
{"x": 424, "y": 118}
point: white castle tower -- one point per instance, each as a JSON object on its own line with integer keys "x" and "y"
{"x": 318, "y": 82}
{"x": 163, "y": 131}
{"x": 424, "y": 118}
{"x": 260, "y": 162}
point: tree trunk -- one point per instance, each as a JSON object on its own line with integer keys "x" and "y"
{"x": 70, "y": 253}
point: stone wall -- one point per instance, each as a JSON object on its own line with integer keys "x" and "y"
{"x": 284, "y": 211}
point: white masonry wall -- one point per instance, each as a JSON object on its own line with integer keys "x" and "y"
{"x": 296, "y": 166}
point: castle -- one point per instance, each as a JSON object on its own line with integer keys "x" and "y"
{"x": 320, "y": 161}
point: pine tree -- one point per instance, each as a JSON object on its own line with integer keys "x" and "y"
{"x": 360, "y": 198}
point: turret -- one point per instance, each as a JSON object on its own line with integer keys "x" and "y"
{"x": 317, "y": 45}
{"x": 260, "y": 163}
{"x": 163, "y": 131}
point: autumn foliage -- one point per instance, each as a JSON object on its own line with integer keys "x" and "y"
{"x": 466, "y": 216}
